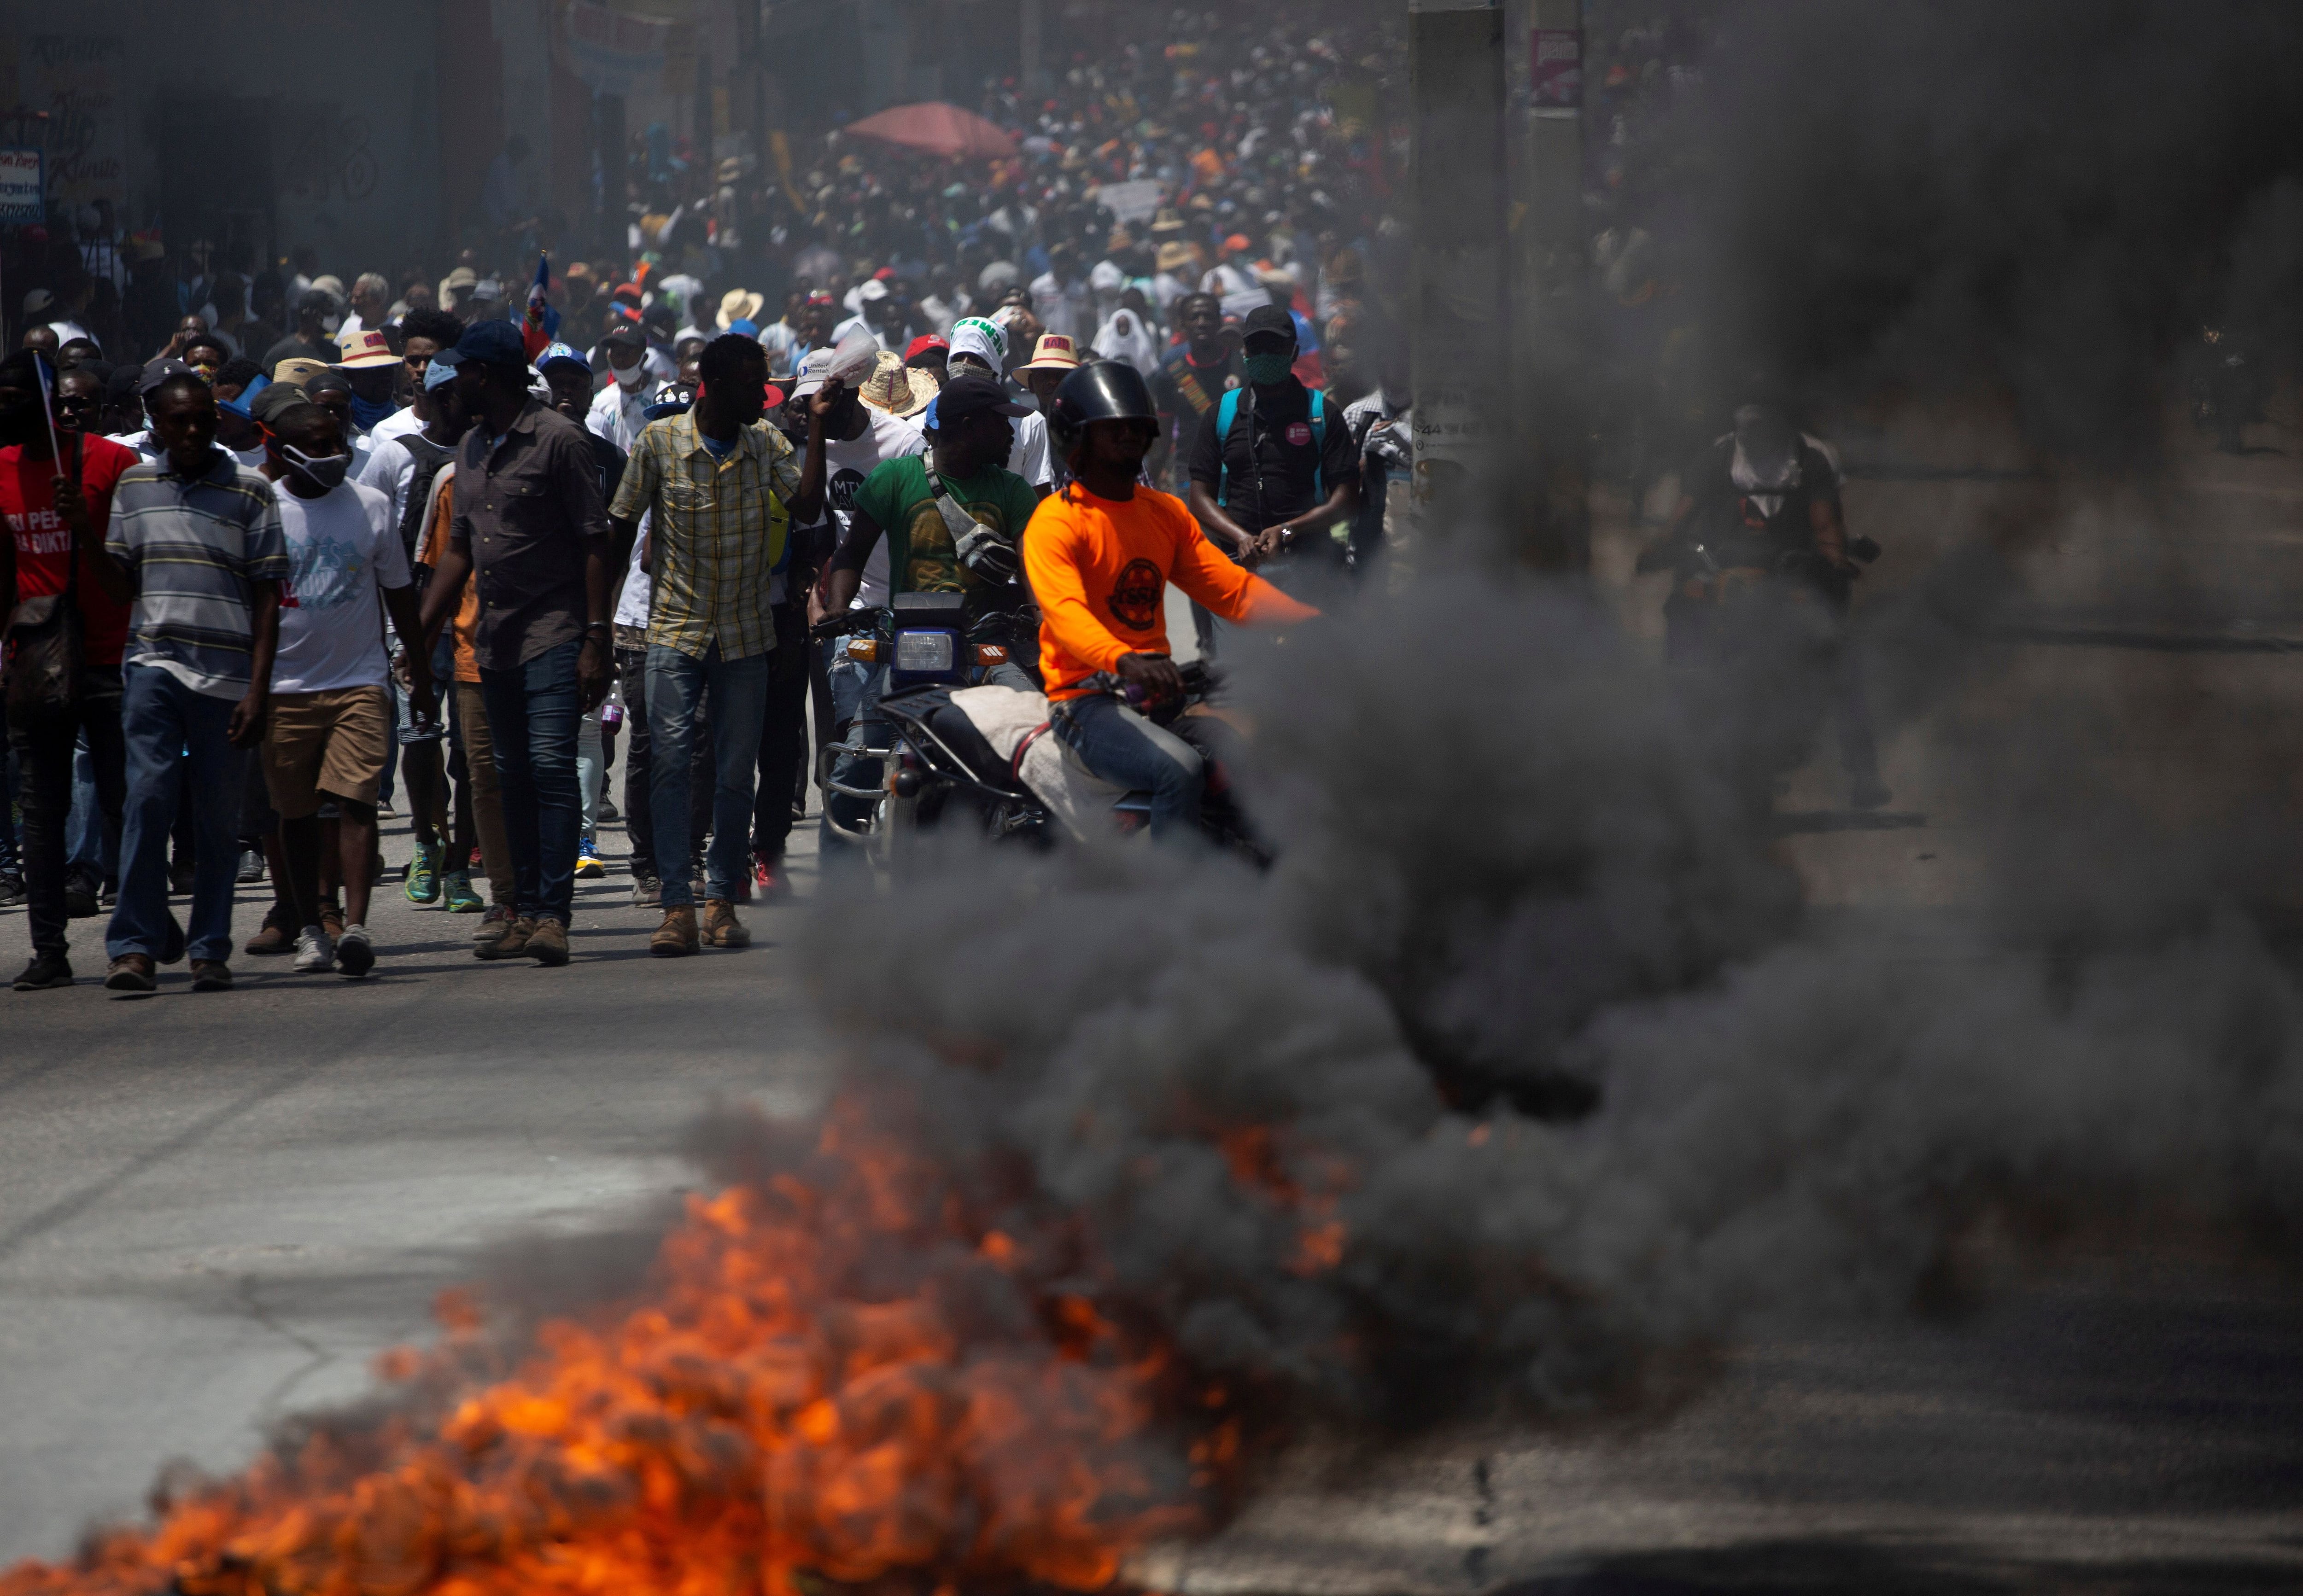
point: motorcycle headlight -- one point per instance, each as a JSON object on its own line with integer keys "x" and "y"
{"x": 924, "y": 651}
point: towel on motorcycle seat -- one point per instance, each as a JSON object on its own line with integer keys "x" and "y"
{"x": 1080, "y": 801}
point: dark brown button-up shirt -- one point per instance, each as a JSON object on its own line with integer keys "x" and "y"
{"x": 524, "y": 508}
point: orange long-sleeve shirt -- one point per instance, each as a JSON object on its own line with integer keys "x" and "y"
{"x": 1100, "y": 569}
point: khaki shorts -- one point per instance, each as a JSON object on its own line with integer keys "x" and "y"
{"x": 334, "y": 743}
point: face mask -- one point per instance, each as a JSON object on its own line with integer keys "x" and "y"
{"x": 329, "y": 324}
{"x": 629, "y": 377}
{"x": 368, "y": 413}
{"x": 325, "y": 473}
{"x": 1264, "y": 370}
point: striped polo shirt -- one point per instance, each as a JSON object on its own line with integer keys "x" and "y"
{"x": 194, "y": 543}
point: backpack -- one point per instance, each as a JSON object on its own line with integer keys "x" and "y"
{"x": 1229, "y": 412}
{"x": 429, "y": 457}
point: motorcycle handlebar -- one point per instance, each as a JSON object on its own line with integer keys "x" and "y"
{"x": 840, "y": 625}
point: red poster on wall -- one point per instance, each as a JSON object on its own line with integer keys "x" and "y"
{"x": 1556, "y": 78}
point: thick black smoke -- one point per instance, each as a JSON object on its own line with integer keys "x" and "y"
{"x": 1498, "y": 847}
{"x": 2048, "y": 198}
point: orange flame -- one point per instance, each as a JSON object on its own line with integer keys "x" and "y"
{"x": 770, "y": 1417}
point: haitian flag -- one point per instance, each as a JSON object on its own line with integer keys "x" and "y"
{"x": 541, "y": 324}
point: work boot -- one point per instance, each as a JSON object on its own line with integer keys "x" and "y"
{"x": 511, "y": 944}
{"x": 722, "y": 928}
{"x": 647, "y": 891}
{"x": 278, "y": 934}
{"x": 129, "y": 972}
{"x": 211, "y": 975}
{"x": 548, "y": 942}
{"x": 676, "y": 938}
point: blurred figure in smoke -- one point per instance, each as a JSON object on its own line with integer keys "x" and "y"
{"x": 1763, "y": 586}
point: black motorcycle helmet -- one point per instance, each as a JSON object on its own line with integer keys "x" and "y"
{"x": 1105, "y": 390}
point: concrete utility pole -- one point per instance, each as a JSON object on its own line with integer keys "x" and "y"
{"x": 1550, "y": 282}
{"x": 1027, "y": 76}
{"x": 1459, "y": 320}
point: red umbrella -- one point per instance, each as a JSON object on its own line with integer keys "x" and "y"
{"x": 938, "y": 130}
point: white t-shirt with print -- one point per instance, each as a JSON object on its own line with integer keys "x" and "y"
{"x": 847, "y": 462}
{"x": 342, "y": 551}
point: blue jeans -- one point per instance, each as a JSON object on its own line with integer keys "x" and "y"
{"x": 163, "y": 724}
{"x": 1119, "y": 745}
{"x": 532, "y": 714}
{"x": 856, "y": 689}
{"x": 676, "y": 685}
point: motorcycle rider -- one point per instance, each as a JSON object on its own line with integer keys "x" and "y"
{"x": 1764, "y": 496}
{"x": 1100, "y": 554}
{"x": 952, "y": 516}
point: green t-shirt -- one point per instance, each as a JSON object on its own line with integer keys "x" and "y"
{"x": 921, "y": 559}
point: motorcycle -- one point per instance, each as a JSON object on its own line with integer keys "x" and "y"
{"x": 963, "y": 752}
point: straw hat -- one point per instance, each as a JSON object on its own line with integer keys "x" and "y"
{"x": 1054, "y": 352}
{"x": 739, "y": 304}
{"x": 896, "y": 388}
{"x": 1174, "y": 256}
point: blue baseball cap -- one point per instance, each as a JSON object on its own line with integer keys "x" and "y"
{"x": 439, "y": 372}
{"x": 245, "y": 404}
{"x": 490, "y": 343}
{"x": 561, "y": 354}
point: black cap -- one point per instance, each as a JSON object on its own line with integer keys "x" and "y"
{"x": 158, "y": 372}
{"x": 626, "y": 335}
{"x": 317, "y": 300}
{"x": 966, "y": 395}
{"x": 1267, "y": 318}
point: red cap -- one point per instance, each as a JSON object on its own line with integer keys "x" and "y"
{"x": 633, "y": 289}
{"x": 922, "y": 345}
{"x": 885, "y": 273}
{"x": 775, "y": 396}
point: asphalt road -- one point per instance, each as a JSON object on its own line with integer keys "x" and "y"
{"x": 215, "y": 1209}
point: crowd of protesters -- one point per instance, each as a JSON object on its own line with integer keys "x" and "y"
{"x": 445, "y": 532}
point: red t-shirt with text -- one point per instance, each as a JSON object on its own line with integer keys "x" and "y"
{"x": 27, "y": 501}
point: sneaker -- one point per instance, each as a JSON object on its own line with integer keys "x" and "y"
{"x": 251, "y": 867}
{"x": 211, "y": 975}
{"x": 548, "y": 942}
{"x": 722, "y": 928}
{"x": 315, "y": 950}
{"x": 181, "y": 875}
{"x": 44, "y": 971}
{"x": 424, "y": 874}
{"x": 647, "y": 891}
{"x": 355, "y": 957}
{"x": 278, "y": 934}
{"x": 129, "y": 972}
{"x": 384, "y": 810}
{"x": 12, "y": 886}
{"x": 511, "y": 943}
{"x": 589, "y": 863}
{"x": 493, "y": 924}
{"x": 608, "y": 810}
{"x": 768, "y": 876}
{"x": 79, "y": 901}
{"x": 456, "y": 893}
{"x": 676, "y": 936}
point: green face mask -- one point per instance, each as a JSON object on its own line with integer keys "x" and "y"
{"x": 1263, "y": 370}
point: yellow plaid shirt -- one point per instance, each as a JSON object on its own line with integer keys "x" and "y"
{"x": 717, "y": 530}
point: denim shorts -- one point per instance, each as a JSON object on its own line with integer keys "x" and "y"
{"x": 443, "y": 677}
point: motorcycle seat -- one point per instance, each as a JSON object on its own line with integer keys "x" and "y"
{"x": 951, "y": 723}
